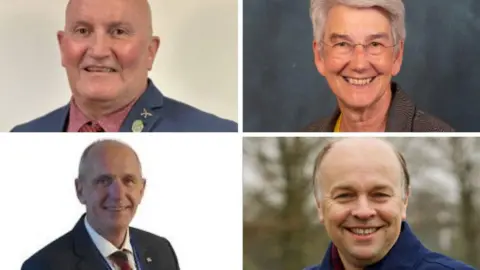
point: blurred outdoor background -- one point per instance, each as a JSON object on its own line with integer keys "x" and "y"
{"x": 281, "y": 230}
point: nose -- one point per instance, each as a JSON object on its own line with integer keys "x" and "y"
{"x": 116, "y": 190}
{"x": 359, "y": 60}
{"x": 363, "y": 209}
{"x": 100, "y": 46}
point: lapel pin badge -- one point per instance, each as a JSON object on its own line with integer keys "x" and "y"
{"x": 146, "y": 113}
{"x": 149, "y": 259}
{"x": 137, "y": 126}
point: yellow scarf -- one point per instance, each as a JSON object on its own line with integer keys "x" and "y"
{"x": 337, "y": 124}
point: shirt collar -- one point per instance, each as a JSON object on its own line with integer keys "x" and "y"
{"x": 103, "y": 245}
{"x": 110, "y": 123}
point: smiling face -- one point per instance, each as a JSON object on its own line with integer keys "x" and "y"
{"x": 111, "y": 188}
{"x": 107, "y": 48}
{"x": 361, "y": 204}
{"x": 359, "y": 79}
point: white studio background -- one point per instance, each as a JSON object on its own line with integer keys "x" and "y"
{"x": 193, "y": 194}
{"x": 196, "y": 62}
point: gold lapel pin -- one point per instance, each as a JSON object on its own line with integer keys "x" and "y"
{"x": 137, "y": 126}
{"x": 145, "y": 113}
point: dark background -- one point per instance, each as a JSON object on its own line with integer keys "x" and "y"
{"x": 283, "y": 92}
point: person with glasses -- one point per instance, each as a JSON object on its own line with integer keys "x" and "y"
{"x": 358, "y": 47}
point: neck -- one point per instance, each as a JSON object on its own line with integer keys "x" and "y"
{"x": 370, "y": 119}
{"x": 116, "y": 236}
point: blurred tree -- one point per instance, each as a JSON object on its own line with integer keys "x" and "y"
{"x": 282, "y": 233}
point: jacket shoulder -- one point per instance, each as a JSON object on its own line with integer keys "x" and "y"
{"x": 41, "y": 123}
{"x": 43, "y": 258}
{"x": 148, "y": 238}
{"x": 196, "y": 120}
{"x": 424, "y": 122}
{"x": 436, "y": 261}
{"x": 314, "y": 267}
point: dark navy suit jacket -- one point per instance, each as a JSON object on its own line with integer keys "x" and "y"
{"x": 407, "y": 254}
{"x": 167, "y": 115}
{"x": 76, "y": 251}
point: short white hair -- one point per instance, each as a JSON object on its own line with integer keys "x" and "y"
{"x": 394, "y": 8}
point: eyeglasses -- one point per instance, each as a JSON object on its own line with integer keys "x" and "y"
{"x": 345, "y": 48}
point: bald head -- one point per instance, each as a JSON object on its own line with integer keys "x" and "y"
{"x": 359, "y": 154}
{"x": 96, "y": 153}
{"x": 139, "y": 10}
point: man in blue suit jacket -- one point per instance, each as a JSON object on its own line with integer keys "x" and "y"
{"x": 361, "y": 189}
{"x": 111, "y": 186}
{"x": 107, "y": 57}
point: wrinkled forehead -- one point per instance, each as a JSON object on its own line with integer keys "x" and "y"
{"x": 357, "y": 23}
{"x": 373, "y": 161}
{"x": 135, "y": 12}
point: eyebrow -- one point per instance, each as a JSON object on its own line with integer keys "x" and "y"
{"x": 110, "y": 25}
{"x": 381, "y": 35}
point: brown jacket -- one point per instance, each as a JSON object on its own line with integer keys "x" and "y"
{"x": 403, "y": 116}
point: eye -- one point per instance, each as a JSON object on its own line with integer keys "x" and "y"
{"x": 104, "y": 180}
{"x": 344, "y": 196}
{"x": 376, "y": 44}
{"x": 119, "y": 32}
{"x": 81, "y": 31}
{"x": 380, "y": 195}
{"x": 129, "y": 180}
{"x": 342, "y": 44}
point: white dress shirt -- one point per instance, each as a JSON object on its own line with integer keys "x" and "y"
{"x": 106, "y": 248}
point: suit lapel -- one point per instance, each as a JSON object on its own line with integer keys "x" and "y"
{"x": 146, "y": 259}
{"x": 145, "y": 113}
{"x": 88, "y": 255}
{"x": 147, "y": 256}
{"x": 59, "y": 120}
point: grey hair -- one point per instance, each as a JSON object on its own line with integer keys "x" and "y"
{"x": 405, "y": 178}
{"x": 394, "y": 8}
{"x": 84, "y": 165}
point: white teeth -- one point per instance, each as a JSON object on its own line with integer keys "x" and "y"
{"x": 115, "y": 208}
{"x": 363, "y": 231}
{"x": 100, "y": 69}
{"x": 359, "y": 81}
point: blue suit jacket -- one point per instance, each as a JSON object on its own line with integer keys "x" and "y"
{"x": 408, "y": 253}
{"x": 76, "y": 251}
{"x": 165, "y": 115}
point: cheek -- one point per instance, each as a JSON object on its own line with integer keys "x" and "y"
{"x": 129, "y": 56}
{"x": 391, "y": 212}
{"x": 72, "y": 52}
{"x": 383, "y": 65}
{"x": 334, "y": 65}
{"x": 336, "y": 214}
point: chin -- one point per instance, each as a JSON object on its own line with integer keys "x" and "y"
{"x": 98, "y": 92}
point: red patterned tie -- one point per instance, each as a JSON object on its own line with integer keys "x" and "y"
{"x": 91, "y": 127}
{"x": 121, "y": 260}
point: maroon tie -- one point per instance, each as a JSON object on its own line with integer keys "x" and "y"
{"x": 91, "y": 127}
{"x": 121, "y": 260}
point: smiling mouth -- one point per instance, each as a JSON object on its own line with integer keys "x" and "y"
{"x": 363, "y": 231}
{"x": 94, "y": 69}
{"x": 359, "y": 81}
{"x": 116, "y": 208}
